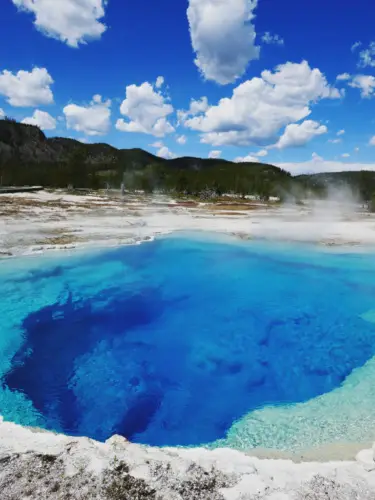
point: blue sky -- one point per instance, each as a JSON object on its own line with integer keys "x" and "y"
{"x": 239, "y": 79}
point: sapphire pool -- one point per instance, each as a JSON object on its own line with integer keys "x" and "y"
{"x": 172, "y": 342}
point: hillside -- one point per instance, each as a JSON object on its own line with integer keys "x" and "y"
{"x": 27, "y": 156}
{"x": 27, "y": 144}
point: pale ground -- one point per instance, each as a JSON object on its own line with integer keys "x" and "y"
{"x": 37, "y": 222}
{"x": 43, "y": 465}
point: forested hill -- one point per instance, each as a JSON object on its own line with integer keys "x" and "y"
{"x": 27, "y": 157}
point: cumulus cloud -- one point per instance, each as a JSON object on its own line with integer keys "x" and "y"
{"x": 246, "y": 159}
{"x": 340, "y": 132}
{"x": 214, "y": 154}
{"x": 367, "y": 56}
{"x": 343, "y": 77}
{"x": 261, "y": 153}
{"x": 164, "y": 152}
{"x": 252, "y": 157}
{"x": 71, "y": 21}
{"x": 25, "y": 88}
{"x": 318, "y": 164}
{"x": 196, "y": 107}
{"x": 91, "y": 120}
{"x": 157, "y": 144}
{"x": 260, "y": 107}
{"x": 159, "y": 82}
{"x": 296, "y": 135}
{"x": 182, "y": 139}
{"x": 372, "y": 141}
{"x": 366, "y": 84}
{"x": 41, "y": 119}
{"x": 146, "y": 110}
{"x": 345, "y": 155}
{"x": 223, "y": 37}
{"x": 270, "y": 39}
{"x": 2, "y": 113}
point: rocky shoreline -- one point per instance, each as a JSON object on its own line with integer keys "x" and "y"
{"x": 42, "y": 465}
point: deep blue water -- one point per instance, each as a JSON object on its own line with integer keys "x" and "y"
{"x": 170, "y": 342}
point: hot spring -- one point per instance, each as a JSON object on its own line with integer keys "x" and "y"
{"x": 191, "y": 340}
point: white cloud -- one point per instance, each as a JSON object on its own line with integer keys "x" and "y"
{"x": 259, "y": 107}
{"x": 197, "y": 106}
{"x": 157, "y": 144}
{"x": 372, "y": 141}
{"x": 345, "y": 155}
{"x": 214, "y": 154}
{"x": 146, "y": 109}
{"x": 159, "y": 82}
{"x": 366, "y": 84}
{"x": 182, "y": 139}
{"x": 340, "y": 132}
{"x": 356, "y": 150}
{"x": 343, "y": 77}
{"x": 223, "y": 37}
{"x": 335, "y": 141}
{"x": 296, "y": 135}
{"x": 41, "y": 119}
{"x": 355, "y": 46}
{"x": 262, "y": 152}
{"x": 318, "y": 164}
{"x": 93, "y": 119}
{"x": 367, "y": 56}
{"x": 71, "y": 21}
{"x": 25, "y": 88}
{"x": 246, "y": 159}
{"x": 270, "y": 39}
{"x": 316, "y": 157}
{"x": 254, "y": 157}
{"x": 2, "y": 113}
{"x": 164, "y": 152}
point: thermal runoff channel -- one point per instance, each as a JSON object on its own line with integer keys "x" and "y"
{"x": 176, "y": 341}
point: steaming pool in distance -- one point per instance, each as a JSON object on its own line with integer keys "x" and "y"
{"x": 192, "y": 340}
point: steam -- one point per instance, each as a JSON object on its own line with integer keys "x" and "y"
{"x": 334, "y": 217}
{"x": 339, "y": 203}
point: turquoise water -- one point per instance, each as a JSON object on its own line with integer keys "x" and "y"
{"x": 182, "y": 340}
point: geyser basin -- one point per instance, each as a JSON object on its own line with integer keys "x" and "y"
{"x": 172, "y": 342}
